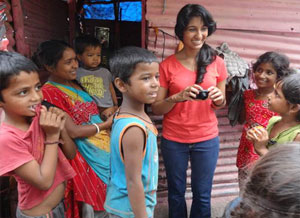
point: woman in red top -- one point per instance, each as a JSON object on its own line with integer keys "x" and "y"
{"x": 190, "y": 125}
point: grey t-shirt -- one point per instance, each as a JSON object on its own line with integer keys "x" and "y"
{"x": 96, "y": 83}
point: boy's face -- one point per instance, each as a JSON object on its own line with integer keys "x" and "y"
{"x": 91, "y": 57}
{"x": 144, "y": 83}
{"x": 21, "y": 97}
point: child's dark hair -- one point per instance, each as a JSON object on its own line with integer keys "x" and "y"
{"x": 11, "y": 64}
{"x": 206, "y": 54}
{"x": 291, "y": 89}
{"x": 280, "y": 62}
{"x": 81, "y": 42}
{"x": 49, "y": 53}
{"x": 123, "y": 62}
{"x": 273, "y": 188}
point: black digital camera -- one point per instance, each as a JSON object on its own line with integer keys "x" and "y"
{"x": 202, "y": 95}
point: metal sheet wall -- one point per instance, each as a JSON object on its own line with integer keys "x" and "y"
{"x": 249, "y": 28}
{"x": 44, "y": 20}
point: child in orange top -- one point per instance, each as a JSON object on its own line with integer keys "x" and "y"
{"x": 30, "y": 136}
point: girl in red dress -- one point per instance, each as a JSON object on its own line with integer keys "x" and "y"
{"x": 269, "y": 67}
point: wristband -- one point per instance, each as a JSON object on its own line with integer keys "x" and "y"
{"x": 97, "y": 128}
{"x": 51, "y": 143}
{"x": 219, "y": 105}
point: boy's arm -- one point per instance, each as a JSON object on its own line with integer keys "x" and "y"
{"x": 42, "y": 175}
{"x": 133, "y": 144}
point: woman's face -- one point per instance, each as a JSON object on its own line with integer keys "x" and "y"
{"x": 195, "y": 34}
{"x": 66, "y": 67}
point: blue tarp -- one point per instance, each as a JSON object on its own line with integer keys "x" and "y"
{"x": 130, "y": 11}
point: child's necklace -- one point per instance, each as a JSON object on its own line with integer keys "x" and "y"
{"x": 136, "y": 116}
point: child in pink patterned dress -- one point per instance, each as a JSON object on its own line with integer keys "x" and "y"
{"x": 269, "y": 67}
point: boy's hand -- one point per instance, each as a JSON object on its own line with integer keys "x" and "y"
{"x": 260, "y": 137}
{"x": 108, "y": 112}
{"x": 52, "y": 121}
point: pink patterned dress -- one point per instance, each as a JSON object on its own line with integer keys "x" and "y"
{"x": 257, "y": 112}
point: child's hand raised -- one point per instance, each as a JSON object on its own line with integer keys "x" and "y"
{"x": 52, "y": 122}
{"x": 260, "y": 137}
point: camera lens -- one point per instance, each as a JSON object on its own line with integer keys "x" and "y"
{"x": 202, "y": 95}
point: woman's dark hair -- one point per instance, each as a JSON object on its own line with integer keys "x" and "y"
{"x": 49, "y": 53}
{"x": 206, "y": 54}
{"x": 291, "y": 89}
{"x": 280, "y": 62}
{"x": 273, "y": 188}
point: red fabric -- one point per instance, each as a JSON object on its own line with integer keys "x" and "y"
{"x": 190, "y": 121}
{"x": 86, "y": 186}
{"x": 257, "y": 112}
{"x": 19, "y": 147}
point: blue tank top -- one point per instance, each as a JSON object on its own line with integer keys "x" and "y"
{"x": 117, "y": 201}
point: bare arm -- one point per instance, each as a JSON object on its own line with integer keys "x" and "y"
{"x": 80, "y": 131}
{"x": 133, "y": 143}
{"x": 68, "y": 146}
{"x": 218, "y": 95}
{"x": 42, "y": 175}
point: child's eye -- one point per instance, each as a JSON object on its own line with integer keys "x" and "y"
{"x": 270, "y": 72}
{"x": 157, "y": 76}
{"x": 259, "y": 70}
{"x": 191, "y": 29}
{"x": 22, "y": 93}
{"x": 204, "y": 28}
{"x": 38, "y": 87}
{"x": 146, "y": 78}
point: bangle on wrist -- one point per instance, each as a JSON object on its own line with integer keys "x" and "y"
{"x": 52, "y": 143}
{"x": 219, "y": 105}
{"x": 97, "y": 128}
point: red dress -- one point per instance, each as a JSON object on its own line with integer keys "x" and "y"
{"x": 257, "y": 112}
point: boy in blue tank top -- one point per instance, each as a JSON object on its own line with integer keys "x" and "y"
{"x": 131, "y": 191}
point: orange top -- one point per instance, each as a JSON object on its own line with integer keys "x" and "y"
{"x": 190, "y": 121}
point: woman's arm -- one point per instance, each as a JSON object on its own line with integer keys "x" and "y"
{"x": 81, "y": 131}
{"x": 217, "y": 95}
{"x": 164, "y": 104}
{"x": 133, "y": 145}
{"x": 68, "y": 146}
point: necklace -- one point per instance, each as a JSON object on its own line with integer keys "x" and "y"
{"x": 135, "y": 116}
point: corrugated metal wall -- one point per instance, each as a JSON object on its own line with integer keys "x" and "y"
{"x": 250, "y": 28}
{"x": 44, "y": 20}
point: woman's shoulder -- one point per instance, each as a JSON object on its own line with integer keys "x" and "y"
{"x": 169, "y": 60}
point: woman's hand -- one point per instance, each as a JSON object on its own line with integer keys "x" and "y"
{"x": 108, "y": 112}
{"x": 189, "y": 93}
{"x": 216, "y": 95}
{"x": 259, "y": 136}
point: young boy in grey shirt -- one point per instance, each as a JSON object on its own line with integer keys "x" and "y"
{"x": 97, "y": 81}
